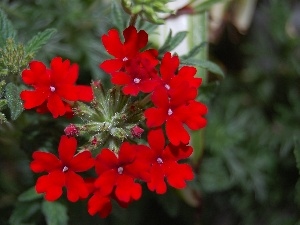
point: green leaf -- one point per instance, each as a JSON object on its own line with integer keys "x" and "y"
{"x": 117, "y": 15}
{"x": 297, "y": 153}
{"x": 29, "y": 195}
{"x": 194, "y": 51}
{"x": 55, "y": 213}
{"x": 6, "y": 28}
{"x": 2, "y": 118}
{"x": 172, "y": 42}
{"x": 22, "y": 212}
{"x": 210, "y": 66}
{"x": 12, "y": 95}
{"x": 204, "y": 6}
{"x": 39, "y": 40}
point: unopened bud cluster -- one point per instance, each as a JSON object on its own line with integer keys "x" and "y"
{"x": 110, "y": 119}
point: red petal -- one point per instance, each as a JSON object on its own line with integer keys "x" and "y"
{"x": 99, "y": 203}
{"x": 148, "y": 86}
{"x": 179, "y": 174}
{"x": 33, "y": 98}
{"x": 156, "y": 139}
{"x": 55, "y": 105}
{"x": 66, "y": 149}
{"x": 67, "y": 92}
{"x": 112, "y": 43}
{"x": 155, "y": 117}
{"x": 126, "y": 189}
{"x": 51, "y": 185}
{"x": 82, "y": 161}
{"x": 105, "y": 160}
{"x": 44, "y": 161}
{"x": 176, "y": 132}
{"x": 111, "y": 65}
{"x": 127, "y": 153}
{"x": 76, "y": 188}
{"x": 157, "y": 182}
{"x": 168, "y": 66}
{"x": 85, "y": 93}
{"x": 131, "y": 89}
{"x": 160, "y": 98}
{"x": 106, "y": 181}
{"x": 120, "y": 78}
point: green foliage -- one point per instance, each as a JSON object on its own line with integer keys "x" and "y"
{"x": 39, "y": 40}
{"x": 6, "y": 28}
{"x": 204, "y": 6}
{"x": 297, "y": 153}
{"x": 29, "y": 195}
{"x": 23, "y": 212}
{"x": 12, "y": 94}
{"x": 172, "y": 42}
{"x": 55, "y": 213}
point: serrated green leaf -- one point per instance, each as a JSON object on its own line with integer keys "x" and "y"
{"x": 29, "y": 195}
{"x": 22, "y": 212}
{"x": 6, "y": 28}
{"x": 12, "y": 95}
{"x": 39, "y": 40}
{"x": 297, "y": 153}
{"x": 210, "y": 66}
{"x": 55, "y": 213}
{"x": 172, "y": 42}
{"x": 204, "y": 6}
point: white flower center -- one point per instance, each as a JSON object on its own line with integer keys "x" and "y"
{"x": 120, "y": 170}
{"x": 65, "y": 169}
{"x": 159, "y": 160}
{"x": 136, "y": 80}
{"x": 125, "y": 59}
{"x": 167, "y": 87}
{"x": 170, "y": 112}
{"x": 52, "y": 89}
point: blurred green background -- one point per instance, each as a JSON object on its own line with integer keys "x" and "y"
{"x": 248, "y": 174}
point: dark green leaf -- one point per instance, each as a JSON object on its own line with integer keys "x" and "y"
{"x": 210, "y": 66}
{"x": 29, "y": 195}
{"x": 22, "y": 212}
{"x": 117, "y": 15}
{"x": 204, "y": 6}
{"x": 55, "y": 213}
{"x": 6, "y": 29}
{"x": 39, "y": 40}
{"x": 12, "y": 95}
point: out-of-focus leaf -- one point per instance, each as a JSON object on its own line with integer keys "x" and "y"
{"x": 210, "y": 66}
{"x": 29, "y": 195}
{"x": 297, "y": 153}
{"x": 194, "y": 51}
{"x": 117, "y": 15}
{"x": 39, "y": 40}
{"x": 22, "y": 212}
{"x": 12, "y": 94}
{"x": 6, "y": 28}
{"x": 170, "y": 202}
{"x": 172, "y": 42}
{"x": 55, "y": 213}
{"x": 206, "y": 5}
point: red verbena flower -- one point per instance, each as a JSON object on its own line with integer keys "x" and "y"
{"x": 62, "y": 171}
{"x": 53, "y": 88}
{"x": 164, "y": 163}
{"x": 117, "y": 173}
{"x": 131, "y": 68}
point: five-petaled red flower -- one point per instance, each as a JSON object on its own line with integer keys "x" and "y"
{"x": 54, "y": 88}
{"x": 164, "y": 164}
{"x": 62, "y": 171}
{"x": 132, "y": 69}
{"x": 117, "y": 173}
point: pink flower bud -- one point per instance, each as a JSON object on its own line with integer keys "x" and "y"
{"x": 71, "y": 130}
{"x": 136, "y": 131}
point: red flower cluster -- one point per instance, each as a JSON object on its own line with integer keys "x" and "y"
{"x": 54, "y": 88}
{"x": 173, "y": 109}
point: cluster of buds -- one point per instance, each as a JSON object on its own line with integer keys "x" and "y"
{"x": 136, "y": 132}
